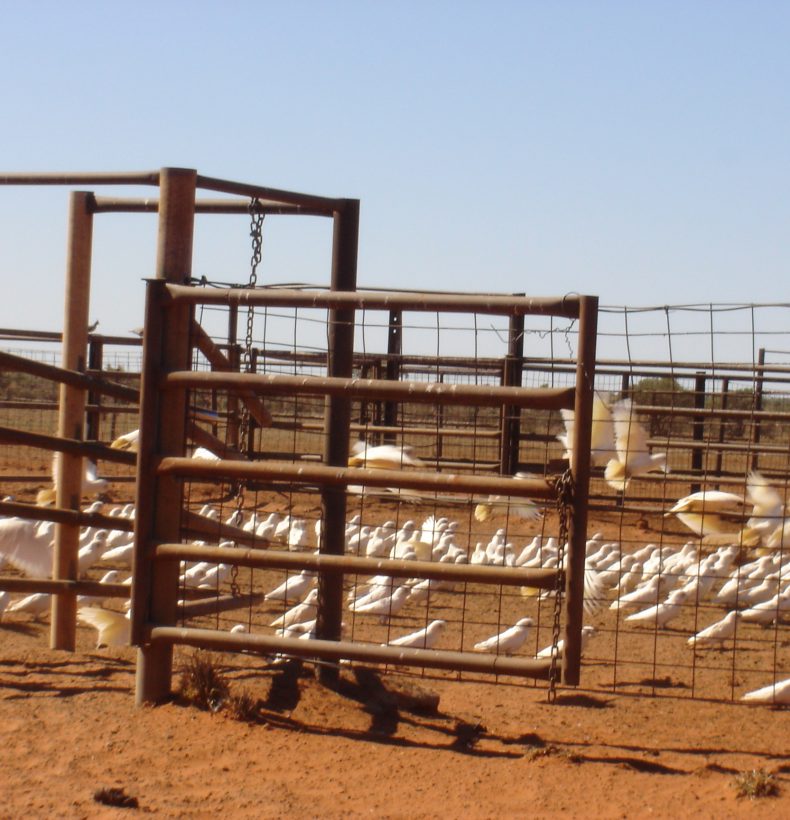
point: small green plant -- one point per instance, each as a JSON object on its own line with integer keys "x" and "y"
{"x": 202, "y": 682}
{"x": 754, "y": 784}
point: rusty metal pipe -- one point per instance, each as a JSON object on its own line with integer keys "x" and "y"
{"x": 355, "y": 565}
{"x": 35, "y": 513}
{"x": 10, "y": 435}
{"x": 554, "y": 398}
{"x": 342, "y": 476}
{"x": 567, "y": 306}
{"x": 344, "y": 650}
{"x": 81, "y": 178}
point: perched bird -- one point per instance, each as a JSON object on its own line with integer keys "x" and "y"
{"x": 293, "y": 588}
{"x": 633, "y": 456}
{"x": 114, "y": 628}
{"x": 204, "y": 454}
{"x": 128, "y": 441}
{"x": 507, "y": 642}
{"x": 715, "y": 634}
{"x": 661, "y": 614}
{"x": 35, "y": 605}
{"x": 423, "y": 638}
{"x": 773, "y": 693}
{"x": 587, "y": 633}
{"x": 602, "y": 446}
{"x": 383, "y": 457}
{"x": 511, "y": 505}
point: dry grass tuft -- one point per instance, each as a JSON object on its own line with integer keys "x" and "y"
{"x": 202, "y": 683}
{"x": 243, "y": 707}
{"x": 754, "y": 784}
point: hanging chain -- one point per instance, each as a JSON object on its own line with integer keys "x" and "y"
{"x": 565, "y": 489}
{"x": 256, "y": 237}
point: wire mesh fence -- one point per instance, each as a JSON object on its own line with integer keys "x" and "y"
{"x": 708, "y": 388}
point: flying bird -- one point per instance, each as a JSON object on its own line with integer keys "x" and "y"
{"x": 114, "y": 629}
{"x": 512, "y": 505}
{"x": 633, "y": 455}
{"x": 128, "y": 441}
{"x": 602, "y": 445}
{"x": 383, "y": 457}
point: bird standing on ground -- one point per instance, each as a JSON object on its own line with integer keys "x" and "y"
{"x": 423, "y": 638}
{"x": 507, "y": 642}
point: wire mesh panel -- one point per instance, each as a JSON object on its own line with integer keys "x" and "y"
{"x": 442, "y": 561}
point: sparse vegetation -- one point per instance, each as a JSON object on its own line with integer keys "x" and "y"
{"x": 202, "y": 683}
{"x": 754, "y": 784}
{"x": 243, "y": 707}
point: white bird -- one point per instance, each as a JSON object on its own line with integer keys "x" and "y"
{"x": 512, "y": 506}
{"x": 114, "y": 628}
{"x": 91, "y": 483}
{"x": 710, "y": 511}
{"x": 35, "y": 604}
{"x": 768, "y": 611}
{"x": 386, "y": 606}
{"x": 92, "y": 552}
{"x": 293, "y": 588}
{"x": 602, "y": 446}
{"x": 265, "y": 530}
{"x": 507, "y": 642}
{"x": 423, "y": 638}
{"x": 633, "y": 455}
{"x": 773, "y": 693}
{"x": 128, "y": 441}
{"x": 23, "y": 547}
{"x": 306, "y": 611}
{"x": 661, "y": 614}
{"x": 587, "y": 633}
{"x": 110, "y": 577}
{"x": 715, "y": 634}
{"x": 383, "y": 457}
{"x": 5, "y": 599}
{"x": 204, "y": 454}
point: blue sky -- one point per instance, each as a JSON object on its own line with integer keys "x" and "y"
{"x": 638, "y": 151}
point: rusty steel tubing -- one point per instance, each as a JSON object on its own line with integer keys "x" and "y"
{"x": 81, "y": 178}
{"x": 548, "y": 398}
{"x": 356, "y": 565}
{"x": 35, "y": 513}
{"x": 346, "y": 650}
{"x": 341, "y": 476}
{"x": 326, "y": 205}
{"x": 10, "y": 435}
{"x": 59, "y": 586}
{"x": 105, "y": 205}
{"x": 51, "y": 372}
{"x": 567, "y": 306}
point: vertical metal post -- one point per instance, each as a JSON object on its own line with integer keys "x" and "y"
{"x": 71, "y": 414}
{"x": 625, "y": 386}
{"x": 698, "y": 429}
{"x": 580, "y": 466}
{"x": 93, "y": 420}
{"x": 725, "y": 390}
{"x": 394, "y": 350}
{"x": 337, "y": 415}
{"x": 512, "y": 377}
{"x": 758, "y": 405}
{"x": 166, "y": 347}
{"x": 234, "y": 357}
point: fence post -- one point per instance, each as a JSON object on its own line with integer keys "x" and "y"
{"x": 512, "y": 377}
{"x": 166, "y": 347}
{"x": 725, "y": 390}
{"x": 71, "y": 415}
{"x": 394, "y": 350}
{"x": 337, "y": 418}
{"x": 698, "y": 429}
{"x": 93, "y": 418}
{"x": 758, "y": 405}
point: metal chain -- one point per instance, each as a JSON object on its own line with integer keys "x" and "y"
{"x": 256, "y": 236}
{"x": 565, "y": 489}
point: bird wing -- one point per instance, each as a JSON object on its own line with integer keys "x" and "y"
{"x": 112, "y": 626}
{"x": 630, "y": 436}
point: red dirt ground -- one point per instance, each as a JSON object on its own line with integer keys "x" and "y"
{"x": 70, "y": 727}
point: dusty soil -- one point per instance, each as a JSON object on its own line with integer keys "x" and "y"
{"x": 69, "y": 727}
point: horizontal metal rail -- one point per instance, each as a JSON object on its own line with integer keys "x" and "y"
{"x": 11, "y": 435}
{"x": 300, "y": 473}
{"x": 48, "y": 586}
{"x": 345, "y": 650}
{"x": 327, "y": 205}
{"x": 566, "y": 306}
{"x": 356, "y": 565}
{"x": 104, "y": 205}
{"x": 80, "y": 178}
{"x": 548, "y": 398}
{"x": 20, "y": 364}
{"x": 33, "y": 512}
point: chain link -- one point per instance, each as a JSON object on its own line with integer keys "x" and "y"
{"x": 256, "y": 236}
{"x": 564, "y": 487}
